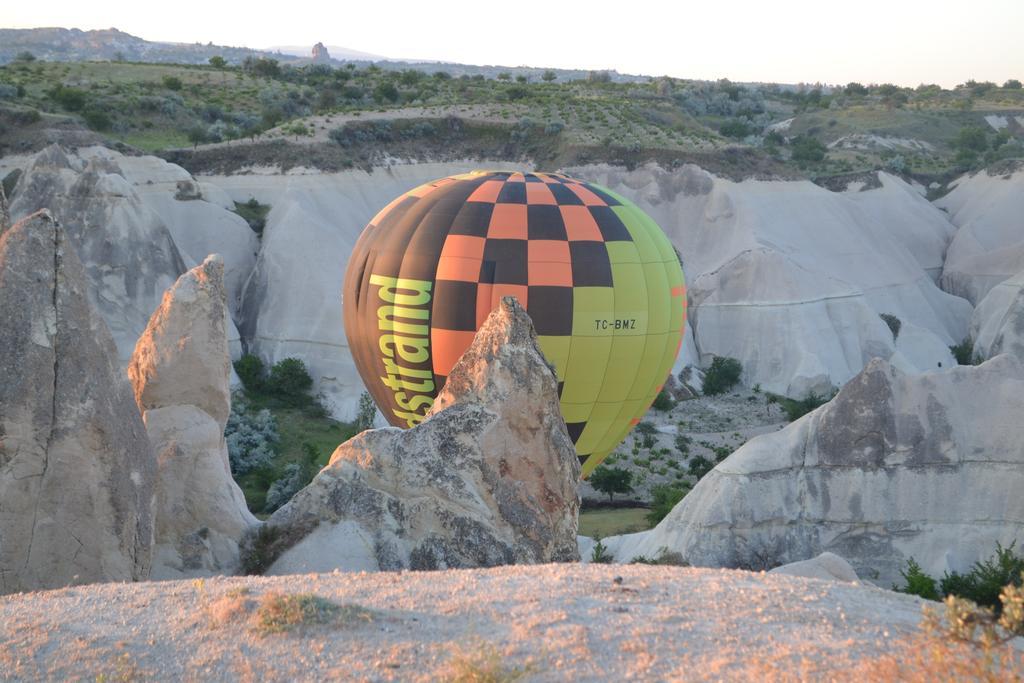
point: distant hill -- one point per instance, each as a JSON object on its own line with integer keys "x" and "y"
{"x": 336, "y": 51}
{"x": 75, "y": 45}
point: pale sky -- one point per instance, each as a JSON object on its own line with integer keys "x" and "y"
{"x": 900, "y": 41}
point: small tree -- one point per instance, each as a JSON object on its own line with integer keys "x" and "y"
{"x": 24, "y": 56}
{"x": 611, "y": 480}
{"x": 249, "y": 369}
{"x": 196, "y": 135}
{"x": 663, "y": 498}
{"x": 218, "y": 62}
{"x": 548, "y": 76}
{"x": 290, "y": 381}
{"x": 172, "y": 82}
{"x": 722, "y": 376}
{"x": 1012, "y": 84}
{"x": 504, "y": 76}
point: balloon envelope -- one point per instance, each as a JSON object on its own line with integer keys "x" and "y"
{"x": 600, "y": 280}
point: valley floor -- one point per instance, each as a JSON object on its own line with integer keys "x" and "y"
{"x": 551, "y": 622}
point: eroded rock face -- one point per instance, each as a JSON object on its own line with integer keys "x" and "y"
{"x": 128, "y": 255}
{"x": 488, "y": 479}
{"x": 926, "y": 466}
{"x": 989, "y": 245}
{"x": 76, "y": 468}
{"x": 180, "y": 372}
{"x": 998, "y": 322}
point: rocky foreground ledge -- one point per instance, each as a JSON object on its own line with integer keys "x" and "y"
{"x": 549, "y": 622}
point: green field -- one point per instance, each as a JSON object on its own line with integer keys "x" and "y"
{"x": 602, "y": 523}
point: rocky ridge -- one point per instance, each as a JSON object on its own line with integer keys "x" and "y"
{"x": 489, "y": 478}
{"x": 180, "y": 374}
{"x": 77, "y": 473}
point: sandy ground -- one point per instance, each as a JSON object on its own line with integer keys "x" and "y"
{"x": 552, "y": 622}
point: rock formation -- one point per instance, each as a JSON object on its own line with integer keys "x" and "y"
{"x": 827, "y": 566}
{"x": 76, "y": 468}
{"x": 926, "y": 466}
{"x": 488, "y": 479}
{"x": 989, "y": 245}
{"x": 128, "y": 255}
{"x": 320, "y": 54}
{"x": 179, "y": 373}
{"x": 998, "y": 322}
{"x": 767, "y": 261}
{"x": 199, "y": 216}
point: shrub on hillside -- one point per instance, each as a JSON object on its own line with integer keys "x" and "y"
{"x": 663, "y": 402}
{"x": 986, "y": 584}
{"x": 663, "y": 498}
{"x": 699, "y": 466}
{"x": 249, "y": 369}
{"x": 806, "y": 148}
{"x": 964, "y": 352}
{"x": 722, "y": 376}
{"x": 290, "y": 381}
{"x": 249, "y": 439}
{"x": 735, "y": 128}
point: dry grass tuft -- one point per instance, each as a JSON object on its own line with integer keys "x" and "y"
{"x": 483, "y": 665}
{"x": 279, "y": 613}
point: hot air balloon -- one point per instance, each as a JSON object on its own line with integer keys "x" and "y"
{"x": 600, "y": 280}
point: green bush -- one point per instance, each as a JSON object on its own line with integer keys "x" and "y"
{"x": 964, "y": 353}
{"x": 172, "y": 82}
{"x": 735, "y": 128}
{"x": 795, "y": 409}
{"x": 71, "y": 99}
{"x": 290, "y": 381}
{"x": 918, "y": 583}
{"x": 893, "y": 322}
{"x": 663, "y": 402}
{"x": 249, "y": 369}
{"x": 722, "y": 376}
{"x": 806, "y": 148}
{"x": 663, "y": 498}
{"x": 611, "y": 480}
{"x": 599, "y": 554}
{"x": 699, "y": 466}
{"x": 986, "y": 580}
{"x": 983, "y": 584}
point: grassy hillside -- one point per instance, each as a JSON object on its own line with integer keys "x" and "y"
{"x": 747, "y": 129}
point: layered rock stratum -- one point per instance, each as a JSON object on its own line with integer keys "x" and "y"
{"x": 77, "y": 472}
{"x": 927, "y": 466}
{"x": 489, "y": 478}
{"x": 180, "y": 375}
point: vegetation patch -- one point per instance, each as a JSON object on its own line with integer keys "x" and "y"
{"x": 254, "y": 213}
{"x": 282, "y": 613}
